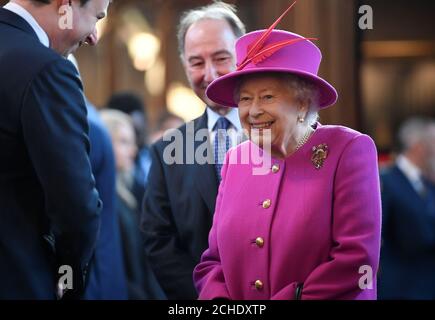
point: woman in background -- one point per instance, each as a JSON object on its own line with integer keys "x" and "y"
{"x": 140, "y": 277}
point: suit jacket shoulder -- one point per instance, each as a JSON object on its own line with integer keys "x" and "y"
{"x": 187, "y": 128}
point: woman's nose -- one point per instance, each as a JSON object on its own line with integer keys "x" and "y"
{"x": 256, "y": 109}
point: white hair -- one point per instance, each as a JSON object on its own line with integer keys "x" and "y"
{"x": 413, "y": 131}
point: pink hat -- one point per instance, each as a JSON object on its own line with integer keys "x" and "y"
{"x": 273, "y": 51}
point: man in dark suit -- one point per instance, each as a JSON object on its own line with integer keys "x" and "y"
{"x": 180, "y": 198}
{"x": 49, "y": 205}
{"x": 408, "y": 203}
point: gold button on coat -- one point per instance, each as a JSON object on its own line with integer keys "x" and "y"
{"x": 266, "y": 203}
{"x": 275, "y": 168}
{"x": 258, "y": 285}
{"x": 259, "y": 242}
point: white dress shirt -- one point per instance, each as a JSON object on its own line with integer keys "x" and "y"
{"x": 412, "y": 172}
{"x": 23, "y": 13}
{"x": 235, "y": 131}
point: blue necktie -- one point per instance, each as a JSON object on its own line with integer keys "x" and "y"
{"x": 221, "y": 144}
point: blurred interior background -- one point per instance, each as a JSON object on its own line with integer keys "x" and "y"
{"x": 383, "y": 75}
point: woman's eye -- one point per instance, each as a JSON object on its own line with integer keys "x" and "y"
{"x": 244, "y": 98}
{"x": 268, "y": 97}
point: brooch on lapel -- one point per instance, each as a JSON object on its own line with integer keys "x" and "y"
{"x": 320, "y": 153}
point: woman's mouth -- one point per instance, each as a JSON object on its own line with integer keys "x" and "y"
{"x": 262, "y": 125}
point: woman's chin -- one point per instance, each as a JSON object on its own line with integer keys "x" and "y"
{"x": 263, "y": 141}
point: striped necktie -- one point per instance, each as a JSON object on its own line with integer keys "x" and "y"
{"x": 221, "y": 143}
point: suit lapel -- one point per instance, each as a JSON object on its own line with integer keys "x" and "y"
{"x": 406, "y": 183}
{"x": 204, "y": 174}
{"x": 426, "y": 202}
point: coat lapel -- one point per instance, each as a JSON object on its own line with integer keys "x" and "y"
{"x": 204, "y": 174}
{"x": 406, "y": 183}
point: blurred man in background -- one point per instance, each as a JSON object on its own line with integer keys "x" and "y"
{"x": 408, "y": 204}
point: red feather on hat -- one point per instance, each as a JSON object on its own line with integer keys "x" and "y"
{"x": 256, "y": 56}
{"x": 270, "y": 50}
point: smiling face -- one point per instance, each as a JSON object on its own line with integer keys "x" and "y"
{"x": 84, "y": 20}
{"x": 209, "y": 52}
{"x": 268, "y": 110}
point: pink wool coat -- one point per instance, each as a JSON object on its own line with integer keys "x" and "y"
{"x": 297, "y": 225}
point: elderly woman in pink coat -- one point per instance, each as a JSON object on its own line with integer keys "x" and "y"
{"x": 308, "y": 227}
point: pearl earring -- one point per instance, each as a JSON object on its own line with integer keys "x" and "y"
{"x": 301, "y": 119}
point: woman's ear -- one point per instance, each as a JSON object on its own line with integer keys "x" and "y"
{"x": 303, "y": 106}
{"x": 64, "y": 3}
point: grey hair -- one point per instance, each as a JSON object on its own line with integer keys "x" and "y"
{"x": 217, "y": 10}
{"x": 304, "y": 91}
{"x": 413, "y": 131}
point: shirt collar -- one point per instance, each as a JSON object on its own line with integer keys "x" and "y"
{"x": 232, "y": 116}
{"x": 23, "y": 13}
{"x": 410, "y": 170}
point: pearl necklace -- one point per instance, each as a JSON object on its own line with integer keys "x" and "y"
{"x": 304, "y": 138}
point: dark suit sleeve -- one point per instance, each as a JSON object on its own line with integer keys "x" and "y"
{"x": 55, "y": 131}
{"x": 172, "y": 265}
